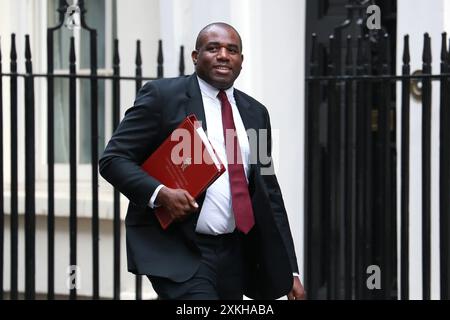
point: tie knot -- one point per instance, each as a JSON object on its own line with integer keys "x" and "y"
{"x": 222, "y": 96}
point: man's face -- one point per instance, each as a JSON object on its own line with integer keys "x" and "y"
{"x": 218, "y": 59}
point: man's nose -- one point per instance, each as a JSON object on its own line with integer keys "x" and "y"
{"x": 223, "y": 54}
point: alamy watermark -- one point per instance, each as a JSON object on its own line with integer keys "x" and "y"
{"x": 73, "y": 280}
{"x": 373, "y": 17}
{"x": 260, "y": 141}
{"x": 374, "y": 279}
{"x": 72, "y": 17}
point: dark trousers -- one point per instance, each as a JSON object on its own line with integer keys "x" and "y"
{"x": 220, "y": 275}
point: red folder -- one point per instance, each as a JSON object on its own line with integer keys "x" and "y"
{"x": 185, "y": 160}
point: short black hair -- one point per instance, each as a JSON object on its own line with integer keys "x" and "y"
{"x": 209, "y": 26}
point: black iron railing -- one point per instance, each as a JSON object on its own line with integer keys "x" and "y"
{"x": 30, "y": 162}
{"x": 351, "y": 169}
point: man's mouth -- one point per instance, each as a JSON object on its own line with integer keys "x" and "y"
{"x": 222, "y": 69}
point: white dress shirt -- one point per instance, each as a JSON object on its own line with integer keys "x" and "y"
{"x": 216, "y": 215}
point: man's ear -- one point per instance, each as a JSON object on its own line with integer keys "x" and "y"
{"x": 194, "y": 56}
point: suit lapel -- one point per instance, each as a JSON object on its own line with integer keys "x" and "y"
{"x": 243, "y": 106}
{"x": 250, "y": 123}
{"x": 194, "y": 105}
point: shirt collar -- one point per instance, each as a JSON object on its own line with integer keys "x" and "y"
{"x": 212, "y": 92}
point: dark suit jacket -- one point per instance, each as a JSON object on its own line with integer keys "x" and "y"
{"x": 159, "y": 108}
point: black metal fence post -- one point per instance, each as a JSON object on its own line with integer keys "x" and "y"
{"x": 2, "y": 212}
{"x": 30, "y": 210}
{"x": 138, "y": 74}
{"x": 94, "y": 148}
{"x": 14, "y": 173}
{"x": 116, "y": 223}
{"x": 405, "y": 140}
{"x": 444, "y": 176}
{"x": 426, "y": 168}
{"x": 312, "y": 169}
{"x": 333, "y": 159}
{"x": 385, "y": 118}
{"x": 51, "y": 152}
{"x": 349, "y": 164}
{"x": 368, "y": 165}
{"x": 73, "y": 169}
{"x": 359, "y": 173}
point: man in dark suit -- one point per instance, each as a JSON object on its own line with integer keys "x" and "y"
{"x": 235, "y": 239}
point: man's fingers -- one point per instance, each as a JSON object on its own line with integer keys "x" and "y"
{"x": 191, "y": 200}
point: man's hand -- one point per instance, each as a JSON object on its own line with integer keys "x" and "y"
{"x": 297, "y": 292}
{"x": 178, "y": 202}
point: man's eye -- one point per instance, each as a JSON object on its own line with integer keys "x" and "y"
{"x": 212, "y": 49}
{"x": 232, "y": 50}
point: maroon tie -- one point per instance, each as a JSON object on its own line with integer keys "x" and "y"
{"x": 240, "y": 198}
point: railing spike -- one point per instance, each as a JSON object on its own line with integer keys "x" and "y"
{"x": 387, "y": 52}
{"x": 448, "y": 53}
{"x": 181, "y": 64}
{"x": 116, "y": 58}
{"x": 426, "y": 56}
{"x": 138, "y": 60}
{"x": 332, "y": 48}
{"x": 72, "y": 57}
{"x": 444, "y": 47}
{"x": 27, "y": 47}
{"x": 13, "y": 54}
{"x": 349, "y": 55}
{"x": 314, "y": 51}
{"x": 359, "y": 51}
{"x": 160, "y": 70}
{"x": 406, "y": 55}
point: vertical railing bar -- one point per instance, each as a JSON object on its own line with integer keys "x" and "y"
{"x": 116, "y": 223}
{"x": 338, "y": 173}
{"x": 50, "y": 155}
{"x": 368, "y": 203}
{"x": 30, "y": 211}
{"x": 2, "y": 212}
{"x": 348, "y": 179}
{"x": 73, "y": 167}
{"x": 94, "y": 166}
{"x": 359, "y": 227}
{"x": 51, "y": 171}
{"x": 14, "y": 169}
{"x": 444, "y": 176}
{"x": 382, "y": 128}
{"x": 426, "y": 169}
{"x": 387, "y": 188}
{"x": 138, "y": 74}
{"x": 312, "y": 168}
{"x": 94, "y": 148}
{"x": 333, "y": 161}
{"x": 404, "y": 192}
